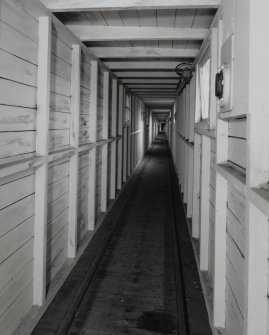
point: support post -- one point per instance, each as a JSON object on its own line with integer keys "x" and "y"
{"x": 205, "y": 180}
{"x": 125, "y": 143}
{"x": 190, "y": 183}
{"x": 41, "y": 178}
{"x": 113, "y": 163}
{"x": 196, "y": 187}
{"x": 119, "y": 160}
{"x": 257, "y": 271}
{"x": 74, "y": 142}
{"x": 221, "y": 194}
{"x": 219, "y": 280}
{"x": 92, "y": 153}
{"x": 213, "y": 71}
{"x": 129, "y": 151}
{"x": 105, "y": 147}
{"x": 256, "y": 309}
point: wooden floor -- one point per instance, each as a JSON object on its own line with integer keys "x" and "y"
{"x": 134, "y": 289}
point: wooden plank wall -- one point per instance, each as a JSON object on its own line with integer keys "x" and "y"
{"x": 19, "y": 66}
{"x": 18, "y": 85}
{"x": 230, "y": 199}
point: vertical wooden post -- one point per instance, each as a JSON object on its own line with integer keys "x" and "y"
{"x": 191, "y": 149}
{"x": 113, "y": 162}
{"x": 205, "y": 180}
{"x": 213, "y": 71}
{"x": 186, "y": 171}
{"x": 134, "y": 129}
{"x": 93, "y": 137}
{"x": 131, "y": 131}
{"x": 187, "y": 136}
{"x": 190, "y": 182}
{"x": 150, "y": 127}
{"x": 257, "y": 174}
{"x": 125, "y": 139}
{"x": 129, "y": 151}
{"x": 74, "y": 142}
{"x": 192, "y": 108}
{"x": 41, "y": 178}
{"x": 119, "y": 160}
{"x": 196, "y": 187}
{"x": 178, "y": 139}
{"x": 219, "y": 303}
{"x": 221, "y": 191}
{"x": 105, "y": 147}
{"x": 182, "y": 145}
{"x": 257, "y": 271}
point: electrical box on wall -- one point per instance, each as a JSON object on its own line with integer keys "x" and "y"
{"x": 224, "y": 78}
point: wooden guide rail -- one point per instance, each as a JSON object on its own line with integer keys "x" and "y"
{"x": 9, "y": 166}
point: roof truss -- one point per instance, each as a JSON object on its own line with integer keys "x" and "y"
{"x": 140, "y": 65}
{"x": 142, "y": 52}
{"x": 104, "y": 5}
{"x": 119, "y": 33}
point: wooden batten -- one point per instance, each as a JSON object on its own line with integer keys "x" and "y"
{"x": 219, "y": 280}
{"x": 42, "y": 145}
{"x": 196, "y": 187}
{"x": 213, "y": 71}
{"x": 119, "y": 158}
{"x": 257, "y": 177}
{"x": 116, "y": 33}
{"x": 190, "y": 181}
{"x": 113, "y": 134}
{"x": 93, "y": 138}
{"x": 124, "y": 167}
{"x": 129, "y": 151}
{"x": 107, "y": 5}
{"x": 256, "y": 304}
{"x": 104, "y": 178}
{"x": 205, "y": 181}
{"x": 74, "y": 142}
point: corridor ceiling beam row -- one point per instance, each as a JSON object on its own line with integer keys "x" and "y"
{"x": 140, "y": 86}
{"x": 142, "y": 52}
{"x": 140, "y": 65}
{"x": 149, "y": 81}
{"x": 147, "y": 74}
{"x": 107, "y": 5}
{"x": 140, "y": 41}
{"x": 118, "y": 33}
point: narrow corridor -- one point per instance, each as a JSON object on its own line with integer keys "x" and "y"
{"x": 133, "y": 291}
{"x": 137, "y": 286}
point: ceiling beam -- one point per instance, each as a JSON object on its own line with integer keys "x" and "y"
{"x": 164, "y": 90}
{"x": 146, "y": 81}
{"x": 103, "y": 5}
{"x": 147, "y": 74}
{"x": 155, "y": 110}
{"x": 140, "y": 86}
{"x": 156, "y": 95}
{"x": 142, "y": 52}
{"x": 148, "y": 65}
{"x": 119, "y": 33}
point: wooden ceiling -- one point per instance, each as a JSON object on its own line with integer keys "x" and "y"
{"x": 141, "y": 41}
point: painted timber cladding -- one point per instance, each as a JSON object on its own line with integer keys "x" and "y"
{"x": 19, "y": 41}
{"x": 230, "y": 204}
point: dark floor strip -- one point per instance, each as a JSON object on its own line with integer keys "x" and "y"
{"x": 132, "y": 287}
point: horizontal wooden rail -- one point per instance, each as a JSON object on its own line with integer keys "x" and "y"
{"x": 10, "y": 166}
{"x": 137, "y": 132}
